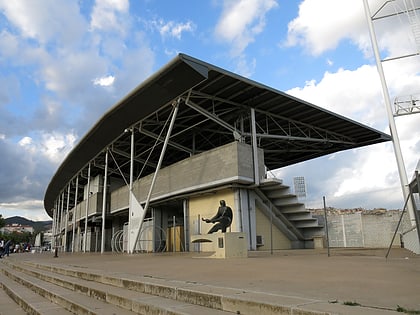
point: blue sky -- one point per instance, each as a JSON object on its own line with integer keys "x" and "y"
{"x": 63, "y": 64}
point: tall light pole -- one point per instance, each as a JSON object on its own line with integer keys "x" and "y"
{"x": 393, "y": 129}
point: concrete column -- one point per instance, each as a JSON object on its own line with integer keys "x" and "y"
{"x": 74, "y": 213}
{"x": 255, "y": 148}
{"x": 104, "y": 199}
{"x": 86, "y": 210}
{"x": 66, "y": 220}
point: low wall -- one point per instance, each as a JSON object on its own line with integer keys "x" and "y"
{"x": 364, "y": 229}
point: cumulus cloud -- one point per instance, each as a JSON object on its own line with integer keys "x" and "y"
{"x": 30, "y": 162}
{"x": 55, "y": 146}
{"x": 241, "y": 21}
{"x": 356, "y": 94}
{"x": 362, "y": 177}
{"x": 46, "y": 21}
{"x": 104, "y": 81}
{"x": 174, "y": 29}
{"x": 49, "y": 48}
{"x": 366, "y": 176}
{"x": 321, "y": 26}
{"x": 108, "y": 15}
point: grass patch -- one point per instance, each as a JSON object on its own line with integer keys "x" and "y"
{"x": 407, "y": 311}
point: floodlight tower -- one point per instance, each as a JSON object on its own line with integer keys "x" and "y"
{"x": 411, "y": 13}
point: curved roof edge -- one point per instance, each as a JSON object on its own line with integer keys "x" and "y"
{"x": 184, "y": 73}
{"x": 153, "y": 93}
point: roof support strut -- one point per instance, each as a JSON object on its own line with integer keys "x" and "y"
{"x": 138, "y": 213}
{"x": 209, "y": 115}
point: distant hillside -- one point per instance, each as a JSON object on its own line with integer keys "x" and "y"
{"x": 37, "y": 225}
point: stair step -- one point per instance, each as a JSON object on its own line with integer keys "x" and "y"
{"x": 308, "y": 224}
{"x": 126, "y": 298}
{"x": 301, "y": 218}
{"x": 275, "y": 194}
{"x": 75, "y": 302}
{"x": 266, "y": 182}
{"x": 8, "y": 305}
{"x": 17, "y": 299}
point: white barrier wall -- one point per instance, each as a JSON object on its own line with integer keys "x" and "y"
{"x": 365, "y": 229}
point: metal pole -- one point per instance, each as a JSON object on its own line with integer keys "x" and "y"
{"x": 417, "y": 178}
{"x": 66, "y": 221}
{"x": 130, "y": 188}
{"x": 398, "y": 225}
{"x": 198, "y": 246}
{"x": 162, "y": 153}
{"x": 174, "y": 235}
{"x": 104, "y": 192}
{"x": 54, "y": 224}
{"x": 393, "y": 129}
{"x": 326, "y": 226}
{"x": 74, "y": 213}
{"x": 61, "y": 220}
{"x": 271, "y": 228}
{"x": 186, "y": 225}
{"x": 86, "y": 210}
{"x": 255, "y": 148}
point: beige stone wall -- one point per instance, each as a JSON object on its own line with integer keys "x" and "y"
{"x": 280, "y": 241}
{"x": 205, "y": 206}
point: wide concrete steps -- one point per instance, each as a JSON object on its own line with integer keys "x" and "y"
{"x": 38, "y": 289}
{"x": 17, "y": 299}
{"x": 60, "y": 288}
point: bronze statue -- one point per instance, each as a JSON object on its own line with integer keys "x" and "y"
{"x": 223, "y": 218}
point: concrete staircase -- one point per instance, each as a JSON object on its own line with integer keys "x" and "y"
{"x": 43, "y": 288}
{"x": 287, "y": 207}
{"x": 46, "y": 289}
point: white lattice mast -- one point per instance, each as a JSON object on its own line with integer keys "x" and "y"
{"x": 392, "y": 126}
{"x": 413, "y": 18}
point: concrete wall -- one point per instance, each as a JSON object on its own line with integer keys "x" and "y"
{"x": 280, "y": 241}
{"x": 206, "y": 206}
{"x": 364, "y": 229}
{"x": 226, "y": 164}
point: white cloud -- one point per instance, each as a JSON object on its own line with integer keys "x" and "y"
{"x": 52, "y": 20}
{"x": 241, "y": 21}
{"x": 366, "y": 177}
{"x": 369, "y": 170}
{"x": 174, "y": 29}
{"x": 356, "y": 94}
{"x": 25, "y": 141}
{"x": 55, "y": 146}
{"x": 31, "y": 209}
{"x": 104, "y": 81}
{"x": 245, "y": 67}
{"x": 68, "y": 73}
{"x": 321, "y": 25}
{"x": 107, "y": 15}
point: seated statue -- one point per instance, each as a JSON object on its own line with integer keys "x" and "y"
{"x": 223, "y": 218}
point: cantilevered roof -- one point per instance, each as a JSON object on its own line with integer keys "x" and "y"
{"x": 215, "y": 107}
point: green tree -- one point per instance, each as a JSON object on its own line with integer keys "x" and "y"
{"x": 2, "y": 221}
